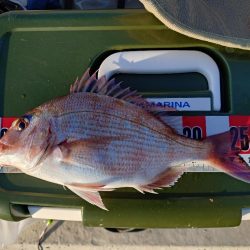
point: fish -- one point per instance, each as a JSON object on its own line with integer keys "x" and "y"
{"x": 102, "y": 136}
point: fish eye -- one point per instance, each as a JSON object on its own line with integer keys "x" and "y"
{"x": 22, "y": 124}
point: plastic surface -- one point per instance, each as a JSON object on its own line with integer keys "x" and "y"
{"x": 55, "y": 213}
{"x": 165, "y": 61}
{"x": 36, "y": 49}
{"x": 245, "y": 214}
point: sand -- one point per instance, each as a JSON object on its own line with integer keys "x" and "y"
{"x": 73, "y": 236}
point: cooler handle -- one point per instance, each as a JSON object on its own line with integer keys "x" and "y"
{"x": 165, "y": 61}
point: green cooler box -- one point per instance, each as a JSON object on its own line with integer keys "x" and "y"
{"x": 41, "y": 53}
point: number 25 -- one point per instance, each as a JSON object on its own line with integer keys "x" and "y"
{"x": 239, "y": 133}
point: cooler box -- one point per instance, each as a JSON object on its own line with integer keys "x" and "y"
{"x": 41, "y": 53}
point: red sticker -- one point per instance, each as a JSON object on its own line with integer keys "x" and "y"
{"x": 7, "y": 121}
{"x": 240, "y": 131}
{"x": 237, "y": 120}
{"x": 194, "y": 126}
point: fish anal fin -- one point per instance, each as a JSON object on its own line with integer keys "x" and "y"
{"x": 92, "y": 197}
{"x": 166, "y": 179}
{"x": 142, "y": 189}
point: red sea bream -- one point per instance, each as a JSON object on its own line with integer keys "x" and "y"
{"x": 101, "y": 137}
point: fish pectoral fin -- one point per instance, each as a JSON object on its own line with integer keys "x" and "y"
{"x": 66, "y": 148}
{"x": 72, "y": 152}
{"x": 92, "y": 197}
{"x": 165, "y": 179}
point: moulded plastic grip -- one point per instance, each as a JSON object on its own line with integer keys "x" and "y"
{"x": 165, "y": 61}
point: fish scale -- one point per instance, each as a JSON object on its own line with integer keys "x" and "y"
{"x": 133, "y": 140}
{"x": 84, "y": 102}
{"x": 119, "y": 127}
{"x": 126, "y": 123}
{"x": 154, "y": 160}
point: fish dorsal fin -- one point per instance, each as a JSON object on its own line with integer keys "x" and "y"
{"x": 102, "y": 86}
{"x": 175, "y": 122}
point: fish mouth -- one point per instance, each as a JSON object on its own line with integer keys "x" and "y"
{"x": 4, "y": 142}
{"x": 3, "y": 146}
{"x": 2, "y": 149}
{"x": 5, "y": 166}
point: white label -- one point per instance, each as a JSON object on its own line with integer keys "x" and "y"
{"x": 216, "y": 125}
{"x": 246, "y": 158}
{"x": 183, "y": 104}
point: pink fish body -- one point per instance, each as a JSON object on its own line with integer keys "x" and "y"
{"x": 101, "y": 137}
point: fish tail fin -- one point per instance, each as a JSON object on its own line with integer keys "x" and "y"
{"x": 227, "y": 160}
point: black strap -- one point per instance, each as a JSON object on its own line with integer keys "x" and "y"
{"x": 68, "y": 4}
{"x": 120, "y": 4}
